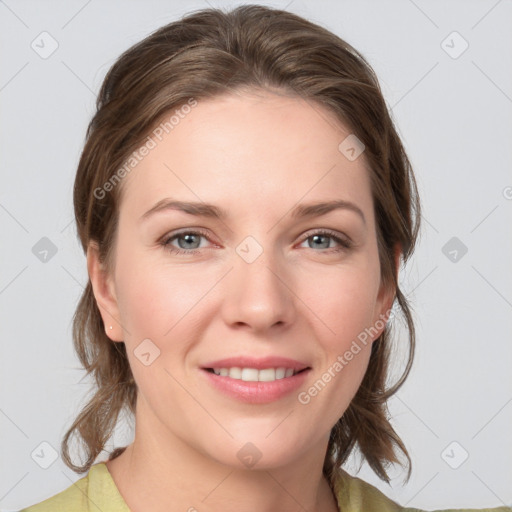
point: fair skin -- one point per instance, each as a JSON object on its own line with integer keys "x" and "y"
{"x": 257, "y": 156}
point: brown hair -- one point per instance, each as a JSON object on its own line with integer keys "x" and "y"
{"x": 205, "y": 54}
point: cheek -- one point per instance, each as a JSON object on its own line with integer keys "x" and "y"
{"x": 342, "y": 301}
{"x": 153, "y": 296}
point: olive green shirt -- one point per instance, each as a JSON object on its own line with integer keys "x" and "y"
{"x": 97, "y": 491}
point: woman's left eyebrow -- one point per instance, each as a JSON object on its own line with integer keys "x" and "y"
{"x": 201, "y": 209}
{"x": 322, "y": 208}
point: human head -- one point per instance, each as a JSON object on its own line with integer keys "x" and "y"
{"x": 206, "y": 55}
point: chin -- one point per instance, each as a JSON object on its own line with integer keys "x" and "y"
{"x": 257, "y": 451}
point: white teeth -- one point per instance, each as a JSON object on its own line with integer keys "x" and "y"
{"x": 266, "y": 375}
{"x": 280, "y": 373}
{"x": 235, "y": 373}
{"x": 249, "y": 374}
{"x": 255, "y": 375}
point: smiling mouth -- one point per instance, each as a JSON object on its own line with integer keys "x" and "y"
{"x": 256, "y": 375}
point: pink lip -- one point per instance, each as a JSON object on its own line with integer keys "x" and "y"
{"x": 256, "y": 392}
{"x": 259, "y": 364}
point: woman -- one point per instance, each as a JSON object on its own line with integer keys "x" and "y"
{"x": 244, "y": 202}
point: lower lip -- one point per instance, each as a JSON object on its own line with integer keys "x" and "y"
{"x": 256, "y": 392}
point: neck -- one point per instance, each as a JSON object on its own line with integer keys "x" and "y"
{"x": 161, "y": 472}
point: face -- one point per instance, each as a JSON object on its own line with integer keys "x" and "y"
{"x": 253, "y": 287}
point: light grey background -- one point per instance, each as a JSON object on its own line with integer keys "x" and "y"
{"x": 454, "y": 115}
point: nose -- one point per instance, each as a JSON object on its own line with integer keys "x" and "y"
{"x": 258, "y": 295}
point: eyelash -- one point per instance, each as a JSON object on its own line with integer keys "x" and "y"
{"x": 344, "y": 243}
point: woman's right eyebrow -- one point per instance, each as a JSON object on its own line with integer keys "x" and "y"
{"x": 201, "y": 209}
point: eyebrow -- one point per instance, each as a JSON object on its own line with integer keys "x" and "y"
{"x": 201, "y": 209}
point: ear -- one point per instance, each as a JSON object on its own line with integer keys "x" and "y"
{"x": 386, "y": 298}
{"x": 104, "y": 293}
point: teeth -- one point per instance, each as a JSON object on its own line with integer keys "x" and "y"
{"x": 255, "y": 375}
{"x": 280, "y": 373}
{"x": 248, "y": 374}
{"x": 235, "y": 373}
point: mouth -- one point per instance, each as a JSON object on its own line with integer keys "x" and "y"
{"x": 248, "y": 374}
{"x": 256, "y": 380}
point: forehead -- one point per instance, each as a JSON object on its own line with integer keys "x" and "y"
{"x": 249, "y": 151}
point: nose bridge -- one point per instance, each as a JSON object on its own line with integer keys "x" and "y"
{"x": 258, "y": 293}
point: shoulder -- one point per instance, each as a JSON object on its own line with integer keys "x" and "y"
{"x": 96, "y": 489}
{"x": 72, "y": 498}
{"x": 356, "y": 495}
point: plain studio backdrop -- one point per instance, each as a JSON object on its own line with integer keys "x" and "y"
{"x": 445, "y": 69}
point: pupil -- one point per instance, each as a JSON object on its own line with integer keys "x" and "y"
{"x": 187, "y": 239}
{"x": 316, "y": 237}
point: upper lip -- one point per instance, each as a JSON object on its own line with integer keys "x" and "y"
{"x": 258, "y": 363}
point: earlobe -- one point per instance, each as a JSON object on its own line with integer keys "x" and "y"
{"x": 104, "y": 293}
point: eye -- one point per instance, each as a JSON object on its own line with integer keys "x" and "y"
{"x": 189, "y": 241}
{"x": 188, "y": 246}
{"x": 322, "y": 239}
